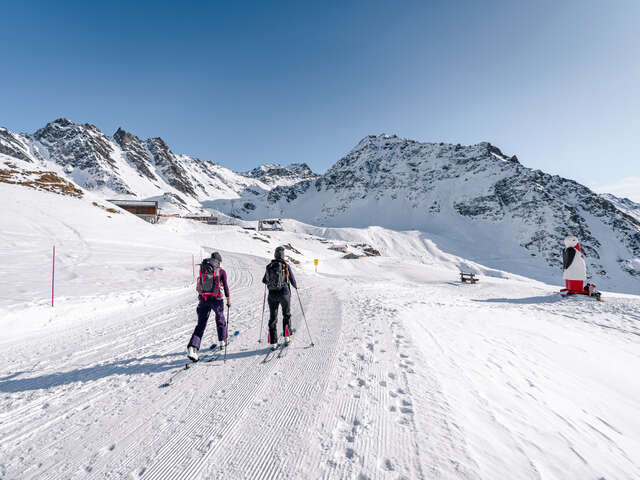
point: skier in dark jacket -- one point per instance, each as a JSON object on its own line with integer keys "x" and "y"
{"x": 211, "y": 283}
{"x": 277, "y": 278}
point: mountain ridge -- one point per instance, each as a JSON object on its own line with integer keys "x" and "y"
{"x": 473, "y": 197}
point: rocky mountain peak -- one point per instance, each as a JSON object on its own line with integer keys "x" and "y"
{"x": 13, "y": 145}
{"x": 135, "y": 152}
{"x": 159, "y": 144}
{"x": 62, "y": 122}
{"x": 274, "y": 174}
{"x": 123, "y": 137}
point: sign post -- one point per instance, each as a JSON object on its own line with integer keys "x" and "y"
{"x": 53, "y": 273}
{"x": 315, "y": 262}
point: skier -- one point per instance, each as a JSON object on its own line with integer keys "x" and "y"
{"x": 277, "y": 278}
{"x": 211, "y": 282}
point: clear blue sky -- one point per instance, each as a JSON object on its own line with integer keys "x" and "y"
{"x": 243, "y": 83}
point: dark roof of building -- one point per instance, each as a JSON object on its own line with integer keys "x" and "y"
{"x": 146, "y": 203}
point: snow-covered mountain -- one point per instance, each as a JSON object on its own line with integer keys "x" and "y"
{"x": 474, "y": 201}
{"x": 479, "y": 202}
{"x": 124, "y": 166}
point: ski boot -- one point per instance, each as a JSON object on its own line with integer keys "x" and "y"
{"x": 192, "y": 353}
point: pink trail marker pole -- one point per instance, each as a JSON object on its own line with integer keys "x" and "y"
{"x": 53, "y": 274}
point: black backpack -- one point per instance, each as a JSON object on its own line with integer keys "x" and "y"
{"x": 277, "y": 275}
{"x": 209, "y": 279}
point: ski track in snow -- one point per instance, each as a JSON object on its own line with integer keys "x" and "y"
{"x": 410, "y": 381}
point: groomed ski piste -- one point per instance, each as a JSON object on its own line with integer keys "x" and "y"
{"x": 413, "y": 374}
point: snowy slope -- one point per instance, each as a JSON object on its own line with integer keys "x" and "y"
{"x": 413, "y": 374}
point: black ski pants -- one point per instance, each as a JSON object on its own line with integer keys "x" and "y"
{"x": 279, "y": 298}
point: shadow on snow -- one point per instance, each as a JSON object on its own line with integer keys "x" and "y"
{"x": 129, "y": 366}
{"x": 553, "y": 298}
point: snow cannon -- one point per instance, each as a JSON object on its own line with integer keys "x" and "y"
{"x": 574, "y": 266}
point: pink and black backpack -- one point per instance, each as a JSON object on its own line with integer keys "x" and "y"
{"x": 209, "y": 283}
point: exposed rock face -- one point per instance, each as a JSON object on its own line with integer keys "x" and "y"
{"x": 85, "y": 151}
{"x": 37, "y": 179}
{"x": 169, "y": 166}
{"x": 274, "y": 174}
{"x": 13, "y": 146}
{"x": 135, "y": 152}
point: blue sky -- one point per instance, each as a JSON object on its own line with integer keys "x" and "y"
{"x": 244, "y": 83}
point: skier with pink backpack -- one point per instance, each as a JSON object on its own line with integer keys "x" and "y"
{"x": 212, "y": 281}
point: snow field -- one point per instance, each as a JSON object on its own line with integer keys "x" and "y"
{"x": 414, "y": 375}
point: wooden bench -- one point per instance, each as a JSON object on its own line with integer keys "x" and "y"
{"x": 468, "y": 277}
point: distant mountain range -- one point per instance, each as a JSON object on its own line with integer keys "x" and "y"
{"x": 124, "y": 166}
{"x": 474, "y": 201}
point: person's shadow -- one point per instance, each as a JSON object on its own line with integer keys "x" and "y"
{"x": 553, "y": 298}
{"x": 127, "y": 366}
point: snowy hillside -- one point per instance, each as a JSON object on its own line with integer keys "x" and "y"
{"x": 627, "y": 206}
{"x": 474, "y": 201}
{"x": 413, "y": 374}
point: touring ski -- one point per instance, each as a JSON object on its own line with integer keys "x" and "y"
{"x": 284, "y": 350}
{"x": 212, "y": 355}
{"x": 271, "y": 354}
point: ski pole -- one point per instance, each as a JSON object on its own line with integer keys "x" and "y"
{"x": 264, "y": 299}
{"x": 305, "y": 318}
{"x": 227, "y": 339}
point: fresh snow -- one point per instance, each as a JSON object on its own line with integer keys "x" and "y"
{"x": 413, "y": 374}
